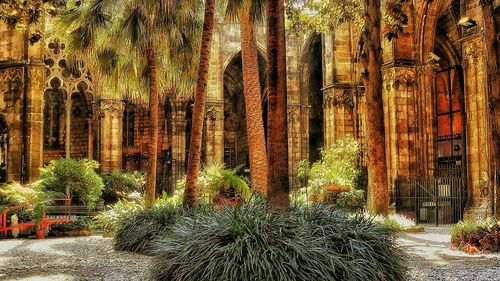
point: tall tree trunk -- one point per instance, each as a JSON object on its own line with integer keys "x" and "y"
{"x": 253, "y": 104}
{"x": 153, "y": 123}
{"x": 378, "y": 195}
{"x": 491, "y": 33}
{"x": 193, "y": 168}
{"x": 277, "y": 129}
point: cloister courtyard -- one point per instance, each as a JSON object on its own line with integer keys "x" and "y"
{"x": 249, "y": 140}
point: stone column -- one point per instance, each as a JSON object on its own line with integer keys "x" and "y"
{"x": 90, "y": 139}
{"x": 34, "y": 121}
{"x": 214, "y": 133}
{"x": 68, "y": 105}
{"x": 178, "y": 139}
{"x": 338, "y": 105}
{"x": 111, "y": 123}
{"x": 399, "y": 118}
{"x": 304, "y": 124}
{"x": 294, "y": 143}
{"x": 478, "y": 140}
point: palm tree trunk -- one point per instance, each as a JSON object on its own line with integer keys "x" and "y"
{"x": 491, "y": 26}
{"x": 277, "y": 129}
{"x": 378, "y": 195}
{"x": 253, "y": 104}
{"x": 153, "y": 123}
{"x": 193, "y": 168}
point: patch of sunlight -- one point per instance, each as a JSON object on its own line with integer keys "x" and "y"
{"x": 7, "y": 245}
{"x": 58, "y": 277}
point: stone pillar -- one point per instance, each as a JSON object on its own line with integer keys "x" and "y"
{"x": 399, "y": 121}
{"x": 338, "y": 105}
{"x": 214, "y": 133}
{"x": 478, "y": 141}
{"x": 111, "y": 123}
{"x": 294, "y": 143}
{"x": 304, "y": 125}
{"x": 425, "y": 119}
{"x": 34, "y": 120}
{"x": 90, "y": 139}
{"x": 179, "y": 144}
{"x": 67, "y": 143}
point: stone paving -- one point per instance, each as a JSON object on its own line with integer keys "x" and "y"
{"x": 431, "y": 258}
{"x": 92, "y": 258}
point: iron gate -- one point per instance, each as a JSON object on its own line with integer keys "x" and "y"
{"x": 436, "y": 200}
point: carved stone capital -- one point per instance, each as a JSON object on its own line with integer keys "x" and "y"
{"x": 111, "y": 108}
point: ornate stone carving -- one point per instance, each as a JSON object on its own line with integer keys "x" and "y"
{"x": 339, "y": 97}
{"x": 112, "y": 108}
{"x": 214, "y": 111}
{"x": 293, "y": 112}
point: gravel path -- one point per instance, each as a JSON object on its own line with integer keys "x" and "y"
{"x": 431, "y": 258}
{"x": 76, "y": 258}
{"x": 92, "y": 258}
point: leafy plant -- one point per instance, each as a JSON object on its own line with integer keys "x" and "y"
{"x": 352, "y": 200}
{"x": 476, "y": 236}
{"x": 251, "y": 242}
{"x": 137, "y": 232}
{"x": 109, "y": 220}
{"x": 396, "y": 223}
{"x": 77, "y": 224}
{"x": 74, "y": 176}
{"x": 119, "y": 185}
{"x": 337, "y": 166}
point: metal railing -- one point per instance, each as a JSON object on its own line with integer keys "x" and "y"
{"x": 436, "y": 200}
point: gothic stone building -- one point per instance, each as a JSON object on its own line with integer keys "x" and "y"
{"x": 434, "y": 88}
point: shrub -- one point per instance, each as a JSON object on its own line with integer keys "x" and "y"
{"x": 79, "y": 226}
{"x": 397, "y": 223}
{"x": 351, "y": 200}
{"x": 136, "y": 232}
{"x": 253, "y": 243}
{"x": 31, "y": 194}
{"x": 337, "y": 166}
{"x": 119, "y": 185}
{"x": 109, "y": 220}
{"x": 76, "y": 176}
{"x": 476, "y": 236}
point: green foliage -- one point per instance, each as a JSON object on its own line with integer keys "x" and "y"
{"x": 323, "y": 16}
{"x": 119, "y": 185}
{"x": 77, "y": 176}
{"x": 253, "y": 243}
{"x": 337, "y": 166}
{"x": 353, "y": 199}
{"x": 80, "y": 223}
{"x": 109, "y": 220}
{"x": 471, "y": 226}
{"x": 476, "y": 236}
{"x": 32, "y": 195}
{"x": 396, "y": 223}
{"x": 215, "y": 179}
{"x": 137, "y": 232}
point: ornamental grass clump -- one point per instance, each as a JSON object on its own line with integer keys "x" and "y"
{"x": 138, "y": 231}
{"x": 251, "y": 242}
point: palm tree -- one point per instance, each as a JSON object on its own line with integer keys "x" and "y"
{"x": 248, "y": 12}
{"x": 193, "y": 168}
{"x": 132, "y": 45}
{"x": 277, "y": 137}
{"x": 378, "y": 195}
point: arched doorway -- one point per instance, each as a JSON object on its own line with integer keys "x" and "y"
{"x": 236, "y": 151}
{"x": 312, "y": 95}
{"x": 4, "y": 150}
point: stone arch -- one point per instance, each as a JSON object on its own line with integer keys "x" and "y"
{"x": 428, "y": 20}
{"x": 311, "y": 84}
{"x": 235, "y": 137}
